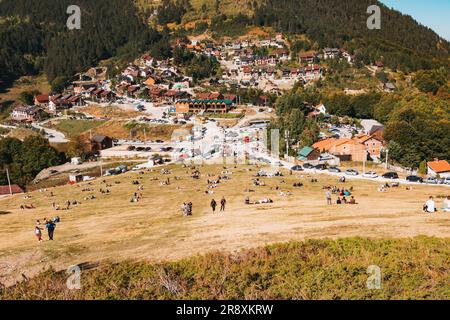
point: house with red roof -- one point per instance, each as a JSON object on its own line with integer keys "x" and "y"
{"x": 41, "y": 100}
{"x": 438, "y": 167}
{"x": 6, "y": 190}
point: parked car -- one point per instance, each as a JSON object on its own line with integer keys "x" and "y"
{"x": 351, "y": 172}
{"x": 431, "y": 180}
{"x": 308, "y": 166}
{"x": 159, "y": 141}
{"x": 390, "y": 175}
{"x": 413, "y": 178}
{"x": 131, "y": 148}
{"x": 334, "y": 169}
{"x": 370, "y": 174}
{"x": 297, "y": 168}
{"x": 320, "y": 167}
{"x": 447, "y": 180}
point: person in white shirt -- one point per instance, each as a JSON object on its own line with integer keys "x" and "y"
{"x": 430, "y": 205}
{"x": 446, "y": 204}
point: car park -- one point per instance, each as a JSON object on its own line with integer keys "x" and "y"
{"x": 370, "y": 174}
{"x": 351, "y": 172}
{"x": 390, "y": 175}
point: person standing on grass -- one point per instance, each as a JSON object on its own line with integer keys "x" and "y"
{"x": 38, "y": 233}
{"x": 50, "y": 226}
{"x": 223, "y": 202}
{"x": 213, "y": 205}
{"x": 328, "y": 196}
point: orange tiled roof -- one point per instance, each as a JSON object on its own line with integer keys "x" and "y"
{"x": 439, "y": 166}
{"x": 324, "y": 144}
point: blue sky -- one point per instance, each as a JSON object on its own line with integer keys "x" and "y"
{"x": 431, "y": 13}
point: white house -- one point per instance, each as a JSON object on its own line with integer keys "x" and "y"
{"x": 438, "y": 167}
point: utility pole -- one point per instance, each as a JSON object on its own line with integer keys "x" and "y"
{"x": 387, "y": 156}
{"x": 286, "y": 133}
{"x": 101, "y": 168}
{"x": 9, "y": 182}
{"x": 364, "y": 160}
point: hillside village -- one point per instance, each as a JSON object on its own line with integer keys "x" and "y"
{"x": 285, "y": 144}
{"x": 160, "y": 87}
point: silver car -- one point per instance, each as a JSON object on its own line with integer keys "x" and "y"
{"x": 351, "y": 172}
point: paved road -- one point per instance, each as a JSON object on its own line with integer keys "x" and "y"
{"x": 57, "y": 137}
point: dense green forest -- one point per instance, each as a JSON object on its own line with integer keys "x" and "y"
{"x": 400, "y": 43}
{"x": 25, "y": 159}
{"x": 35, "y": 38}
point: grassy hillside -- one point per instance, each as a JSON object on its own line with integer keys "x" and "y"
{"x": 315, "y": 269}
{"x": 111, "y": 228}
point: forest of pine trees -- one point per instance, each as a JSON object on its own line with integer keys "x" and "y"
{"x": 401, "y": 43}
{"x": 35, "y": 38}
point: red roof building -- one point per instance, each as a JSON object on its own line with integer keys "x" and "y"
{"x": 439, "y": 167}
{"x": 4, "y": 190}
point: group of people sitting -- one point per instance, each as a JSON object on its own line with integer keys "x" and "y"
{"x": 430, "y": 205}
{"x": 261, "y": 201}
{"x": 196, "y": 175}
{"x": 27, "y": 206}
{"x": 136, "y": 197}
{"x": 344, "y": 200}
{"x": 258, "y": 183}
{"x": 384, "y": 187}
{"x": 186, "y": 209}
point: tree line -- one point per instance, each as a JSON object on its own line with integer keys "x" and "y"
{"x": 400, "y": 43}
{"x": 25, "y": 159}
{"x": 35, "y": 38}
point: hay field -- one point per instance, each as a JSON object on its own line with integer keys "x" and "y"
{"x": 111, "y": 228}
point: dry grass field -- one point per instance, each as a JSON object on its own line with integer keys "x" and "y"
{"x": 111, "y": 228}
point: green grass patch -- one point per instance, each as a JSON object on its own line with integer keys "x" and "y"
{"x": 76, "y": 127}
{"x": 314, "y": 269}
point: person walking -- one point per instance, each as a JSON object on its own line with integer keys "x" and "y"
{"x": 328, "y": 196}
{"x": 213, "y": 205}
{"x": 223, "y": 202}
{"x": 50, "y": 226}
{"x": 38, "y": 233}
